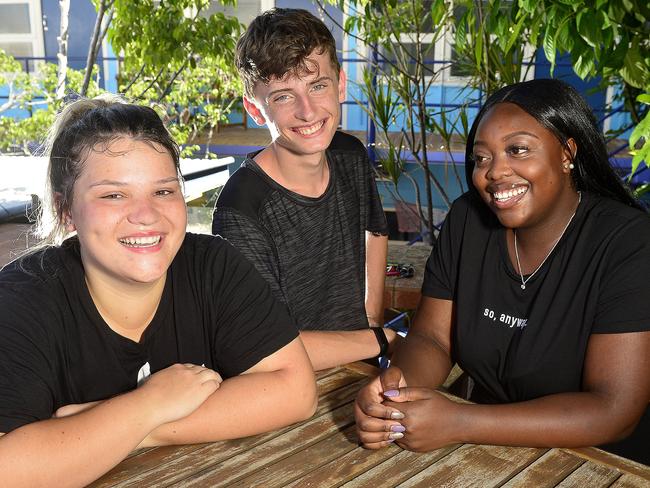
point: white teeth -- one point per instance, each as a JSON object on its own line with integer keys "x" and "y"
{"x": 505, "y": 195}
{"x": 140, "y": 241}
{"x": 310, "y": 130}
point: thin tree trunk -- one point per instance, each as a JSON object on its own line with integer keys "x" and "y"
{"x": 96, "y": 42}
{"x": 62, "y": 55}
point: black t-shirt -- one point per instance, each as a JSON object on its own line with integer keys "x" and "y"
{"x": 310, "y": 250}
{"x": 55, "y": 348}
{"x": 522, "y": 344}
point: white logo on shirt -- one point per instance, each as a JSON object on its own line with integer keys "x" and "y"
{"x": 144, "y": 373}
{"x": 506, "y": 319}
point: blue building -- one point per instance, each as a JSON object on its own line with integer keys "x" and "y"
{"x": 29, "y": 30}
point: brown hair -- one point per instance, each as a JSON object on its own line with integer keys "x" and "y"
{"x": 278, "y": 42}
{"x": 83, "y": 126}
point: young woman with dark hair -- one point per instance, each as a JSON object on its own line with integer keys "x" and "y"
{"x": 535, "y": 288}
{"x": 132, "y": 333}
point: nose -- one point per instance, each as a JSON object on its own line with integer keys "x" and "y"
{"x": 143, "y": 211}
{"x": 498, "y": 168}
{"x": 305, "y": 108}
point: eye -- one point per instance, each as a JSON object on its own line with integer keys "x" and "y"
{"x": 518, "y": 149}
{"x": 281, "y": 99}
{"x": 164, "y": 193}
{"x": 111, "y": 196}
{"x": 480, "y": 160}
{"x": 319, "y": 87}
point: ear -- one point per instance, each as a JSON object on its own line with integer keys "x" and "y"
{"x": 68, "y": 223}
{"x": 342, "y": 82}
{"x": 569, "y": 155}
{"x": 64, "y": 215}
{"x": 254, "y": 111}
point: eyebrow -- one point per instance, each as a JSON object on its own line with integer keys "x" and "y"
{"x": 271, "y": 94}
{"x": 508, "y": 136}
{"x": 122, "y": 183}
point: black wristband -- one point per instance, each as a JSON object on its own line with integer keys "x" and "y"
{"x": 382, "y": 340}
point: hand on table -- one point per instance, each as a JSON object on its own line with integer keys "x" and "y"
{"x": 430, "y": 419}
{"x": 379, "y": 425}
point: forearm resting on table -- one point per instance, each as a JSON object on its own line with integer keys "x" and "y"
{"x": 376, "y": 253}
{"x": 327, "y": 349}
{"x": 60, "y": 450}
{"x": 560, "y": 420}
{"x": 616, "y": 393}
{"x": 254, "y": 402}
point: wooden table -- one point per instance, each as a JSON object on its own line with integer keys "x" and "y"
{"x": 323, "y": 452}
{"x": 404, "y": 293}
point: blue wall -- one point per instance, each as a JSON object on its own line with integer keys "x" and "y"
{"x": 80, "y": 30}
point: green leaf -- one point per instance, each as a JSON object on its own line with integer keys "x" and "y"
{"x": 515, "y": 34}
{"x": 528, "y": 5}
{"x": 628, "y": 5}
{"x": 634, "y": 70}
{"x": 589, "y": 27}
{"x": 584, "y": 64}
{"x": 549, "y": 46}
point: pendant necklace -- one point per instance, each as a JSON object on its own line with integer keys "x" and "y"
{"x": 521, "y": 275}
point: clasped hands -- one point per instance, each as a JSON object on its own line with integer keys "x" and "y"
{"x": 415, "y": 418}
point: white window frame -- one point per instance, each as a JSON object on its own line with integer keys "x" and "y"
{"x": 35, "y": 37}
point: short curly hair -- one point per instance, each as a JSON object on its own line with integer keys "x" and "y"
{"x": 278, "y": 42}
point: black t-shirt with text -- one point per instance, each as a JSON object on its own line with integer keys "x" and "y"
{"x": 55, "y": 348}
{"x": 523, "y": 344}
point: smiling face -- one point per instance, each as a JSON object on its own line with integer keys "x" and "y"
{"x": 129, "y": 213}
{"x": 521, "y": 170}
{"x": 302, "y": 113}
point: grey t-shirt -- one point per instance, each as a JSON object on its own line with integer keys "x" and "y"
{"x": 311, "y": 250}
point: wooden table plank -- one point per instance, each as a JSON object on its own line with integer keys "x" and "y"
{"x": 609, "y": 459}
{"x": 398, "y": 468}
{"x": 338, "y": 380}
{"x": 147, "y": 464}
{"x": 592, "y": 475}
{"x": 630, "y": 481}
{"x": 475, "y": 466}
{"x": 305, "y": 461}
{"x": 273, "y": 450}
{"x": 353, "y": 464}
{"x": 547, "y": 471}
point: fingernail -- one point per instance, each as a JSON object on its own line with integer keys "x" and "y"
{"x": 395, "y": 435}
{"x": 396, "y": 415}
{"x": 390, "y": 440}
{"x": 397, "y": 428}
{"x": 391, "y": 393}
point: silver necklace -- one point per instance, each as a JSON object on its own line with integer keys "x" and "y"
{"x": 521, "y": 275}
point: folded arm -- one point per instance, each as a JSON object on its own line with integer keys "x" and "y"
{"x": 277, "y": 391}
{"x": 60, "y": 449}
